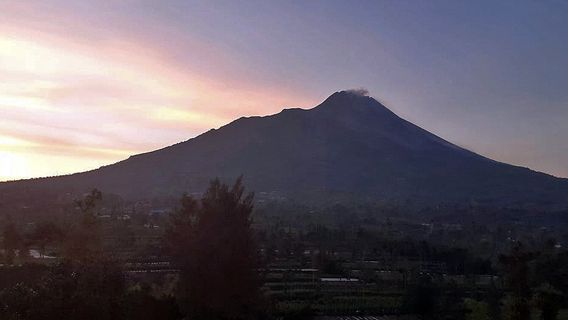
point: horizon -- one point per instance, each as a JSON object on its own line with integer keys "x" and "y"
{"x": 356, "y": 91}
{"x": 81, "y": 81}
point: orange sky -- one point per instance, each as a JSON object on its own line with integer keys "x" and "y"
{"x": 70, "y": 104}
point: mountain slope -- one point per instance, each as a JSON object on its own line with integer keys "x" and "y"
{"x": 350, "y": 144}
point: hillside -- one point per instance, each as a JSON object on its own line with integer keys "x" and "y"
{"x": 348, "y": 146}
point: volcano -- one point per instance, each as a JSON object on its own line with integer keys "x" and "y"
{"x": 349, "y": 147}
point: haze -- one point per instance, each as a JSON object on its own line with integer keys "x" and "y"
{"x": 88, "y": 83}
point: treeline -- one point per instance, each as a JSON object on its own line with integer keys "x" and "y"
{"x": 532, "y": 285}
{"x": 209, "y": 239}
{"x": 212, "y": 243}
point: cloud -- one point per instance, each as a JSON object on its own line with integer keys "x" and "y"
{"x": 83, "y": 95}
{"x": 359, "y": 91}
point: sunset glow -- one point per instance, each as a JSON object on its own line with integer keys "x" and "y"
{"x": 80, "y": 81}
{"x": 70, "y": 106}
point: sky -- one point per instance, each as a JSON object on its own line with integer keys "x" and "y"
{"x": 88, "y": 83}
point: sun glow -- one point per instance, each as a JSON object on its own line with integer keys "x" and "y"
{"x": 62, "y": 107}
{"x": 71, "y": 106}
{"x": 12, "y": 166}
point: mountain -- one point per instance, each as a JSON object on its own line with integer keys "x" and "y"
{"x": 349, "y": 146}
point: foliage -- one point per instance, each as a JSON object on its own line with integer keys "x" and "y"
{"x": 517, "y": 271}
{"x": 213, "y": 244}
{"x": 423, "y": 298}
{"x": 140, "y": 304}
{"x": 477, "y": 310}
{"x": 46, "y": 233}
{"x": 83, "y": 239}
{"x": 91, "y": 291}
{"x": 548, "y": 301}
{"x": 12, "y": 241}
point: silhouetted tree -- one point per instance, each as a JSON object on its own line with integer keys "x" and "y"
{"x": 89, "y": 202}
{"x": 493, "y": 299}
{"x": 478, "y": 310}
{"x": 83, "y": 240}
{"x": 140, "y": 304}
{"x": 517, "y": 276}
{"x": 69, "y": 291}
{"x": 213, "y": 243}
{"x": 548, "y": 301}
{"x": 11, "y": 241}
{"x": 423, "y": 298}
{"x": 46, "y": 233}
{"x": 552, "y": 269}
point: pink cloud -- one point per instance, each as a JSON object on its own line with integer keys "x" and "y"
{"x": 77, "y": 89}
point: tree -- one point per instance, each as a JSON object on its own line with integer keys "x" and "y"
{"x": 141, "y": 304}
{"x": 493, "y": 299}
{"x": 423, "y": 298}
{"x": 46, "y": 233}
{"x": 548, "y": 301}
{"x": 11, "y": 241}
{"x": 213, "y": 244}
{"x": 517, "y": 276}
{"x": 478, "y": 310}
{"x": 89, "y": 202}
{"x": 16, "y": 303}
{"x": 83, "y": 240}
{"x": 70, "y": 290}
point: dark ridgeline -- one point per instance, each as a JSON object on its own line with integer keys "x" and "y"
{"x": 348, "y": 145}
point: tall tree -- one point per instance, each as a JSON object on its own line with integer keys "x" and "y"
{"x": 548, "y": 301}
{"x": 212, "y": 241}
{"x": 83, "y": 240}
{"x": 11, "y": 241}
{"x": 517, "y": 276}
{"x": 423, "y": 298}
{"x": 46, "y": 233}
